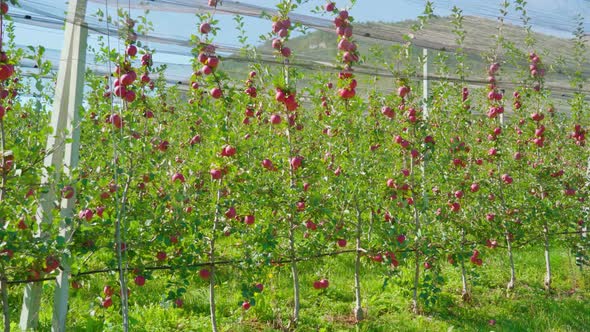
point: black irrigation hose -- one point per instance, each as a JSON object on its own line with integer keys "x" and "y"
{"x": 234, "y": 262}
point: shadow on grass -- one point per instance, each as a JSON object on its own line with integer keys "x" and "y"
{"x": 532, "y": 313}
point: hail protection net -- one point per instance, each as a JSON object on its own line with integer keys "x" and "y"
{"x": 553, "y": 25}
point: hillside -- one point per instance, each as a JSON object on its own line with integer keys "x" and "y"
{"x": 317, "y": 49}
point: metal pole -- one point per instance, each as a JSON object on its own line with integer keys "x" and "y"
{"x": 425, "y": 83}
{"x": 65, "y": 123}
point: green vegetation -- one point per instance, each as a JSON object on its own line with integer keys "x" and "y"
{"x": 528, "y": 308}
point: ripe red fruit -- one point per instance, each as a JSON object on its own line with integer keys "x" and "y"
{"x": 7, "y": 252}
{"x": 459, "y": 194}
{"x": 213, "y": 61}
{"x": 246, "y": 305}
{"x": 108, "y": 290}
{"x": 215, "y": 174}
{"x": 259, "y": 286}
{"x": 249, "y": 219}
{"x": 324, "y": 283}
{"x": 311, "y": 225}
{"x": 86, "y": 214}
{"x": 387, "y": 111}
{"x": 266, "y": 163}
{"x": 204, "y": 274}
{"x": 132, "y": 50}
{"x": 179, "y": 303}
{"x": 216, "y": 93}
{"x": 228, "y": 151}
{"x": 22, "y": 225}
{"x": 178, "y": 177}
{"x": 139, "y": 280}
{"x": 67, "y": 192}
{"x": 4, "y": 8}
{"x": 474, "y": 187}
{"x": 275, "y": 119}
{"x": 403, "y": 91}
{"x": 205, "y": 28}
{"x": 330, "y": 6}
{"x": 341, "y": 243}
{"x": 296, "y": 162}
{"x": 300, "y": 205}
{"x": 196, "y": 139}
{"x": 286, "y": 52}
{"x": 231, "y": 213}
{"x": 107, "y": 302}
{"x": 317, "y": 285}
{"x": 115, "y": 120}
{"x": 455, "y": 207}
{"x": 277, "y": 44}
{"x": 390, "y": 183}
{"x": 506, "y": 178}
{"x": 161, "y": 255}
{"x": 427, "y": 265}
{"x": 401, "y": 238}
{"x": 537, "y": 117}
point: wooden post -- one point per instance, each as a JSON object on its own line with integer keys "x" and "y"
{"x": 65, "y": 123}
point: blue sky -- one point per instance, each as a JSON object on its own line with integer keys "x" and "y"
{"x": 549, "y": 16}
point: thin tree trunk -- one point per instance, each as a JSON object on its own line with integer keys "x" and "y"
{"x": 5, "y": 308}
{"x": 358, "y": 309}
{"x": 4, "y": 286}
{"x": 296, "y": 304}
{"x": 465, "y": 296}
{"x": 118, "y": 240}
{"x": 212, "y": 260}
{"x": 512, "y": 281}
{"x": 547, "y": 282}
{"x": 417, "y": 263}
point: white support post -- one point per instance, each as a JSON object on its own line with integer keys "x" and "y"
{"x": 65, "y": 123}
{"x": 425, "y": 82}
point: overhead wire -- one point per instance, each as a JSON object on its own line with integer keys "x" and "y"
{"x": 182, "y": 46}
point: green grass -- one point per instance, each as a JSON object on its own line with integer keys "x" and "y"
{"x": 528, "y": 308}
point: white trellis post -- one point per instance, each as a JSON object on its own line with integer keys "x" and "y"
{"x": 425, "y": 82}
{"x": 65, "y": 123}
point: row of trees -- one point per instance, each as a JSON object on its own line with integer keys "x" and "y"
{"x": 263, "y": 170}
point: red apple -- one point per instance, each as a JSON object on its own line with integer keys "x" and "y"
{"x": 341, "y": 243}
{"x": 132, "y": 50}
{"x": 108, "y": 290}
{"x": 139, "y": 280}
{"x": 178, "y": 177}
{"x": 296, "y": 162}
{"x": 4, "y": 8}
{"x": 107, "y": 302}
{"x": 216, "y": 93}
{"x": 246, "y": 305}
{"x": 215, "y": 174}
{"x": 249, "y": 219}
{"x": 205, "y": 28}
{"x": 67, "y": 192}
{"x": 231, "y": 213}
{"x": 161, "y": 255}
{"x": 204, "y": 274}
